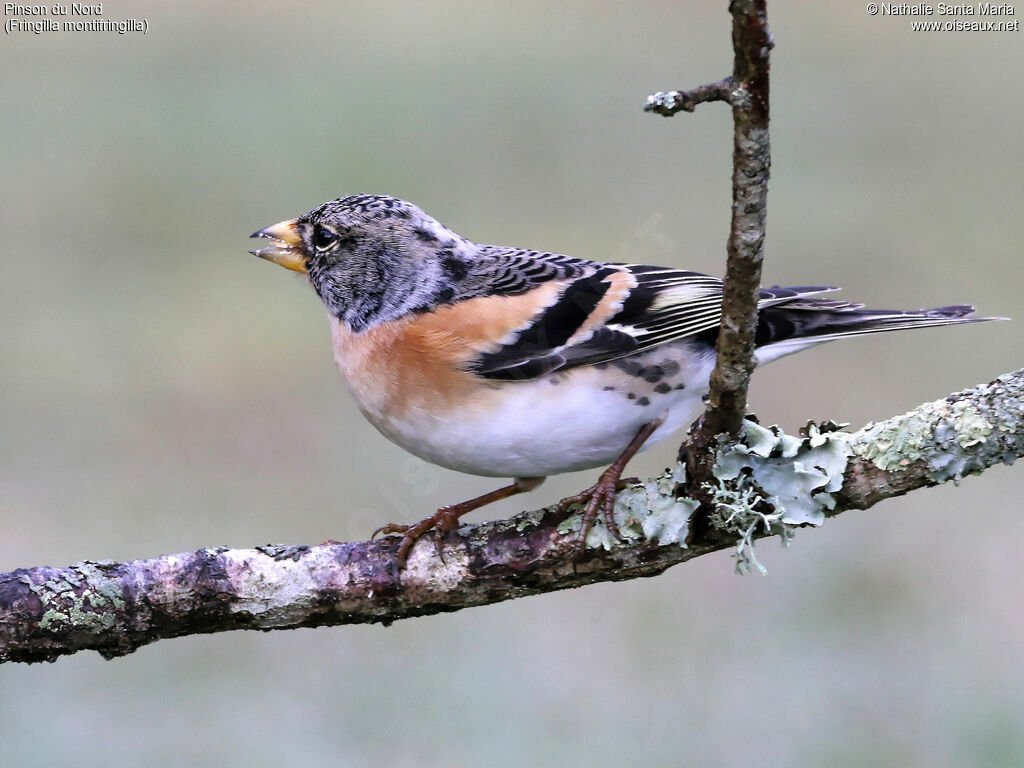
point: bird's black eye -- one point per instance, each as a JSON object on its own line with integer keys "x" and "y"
{"x": 323, "y": 238}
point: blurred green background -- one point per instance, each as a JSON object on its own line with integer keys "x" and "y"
{"x": 163, "y": 390}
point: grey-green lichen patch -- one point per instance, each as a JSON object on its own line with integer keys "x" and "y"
{"x": 896, "y": 442}
{"x": 531, "y": 519}
{"x": 775, "y": 481}
{"x": 970, "y": 426}
{"x": 956, "y": 436}
{"x": 796, "y": 474}
{"x": 646, "y": 510}
{"x": 82, "y": 597}
{"x": 667, "y": 521}
{"x": 739, "y": 510}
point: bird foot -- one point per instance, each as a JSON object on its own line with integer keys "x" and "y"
{"x": 447, "y": 519}
{"x": 599, "y": 499}
{"x": 444, "y": 520}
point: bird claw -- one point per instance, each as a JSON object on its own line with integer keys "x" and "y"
{"x": 444, "y": 520}
{"x": 389, "y": 528}
{"x": 599, "y": 499}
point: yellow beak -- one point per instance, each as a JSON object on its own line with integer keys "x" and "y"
{"x": 286, "y": 247}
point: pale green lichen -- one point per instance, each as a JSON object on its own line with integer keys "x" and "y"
{"x": 896, "y": 442}
{"x": 81, "y": 597}
{"x": 738, "y": 511}
{"x": 646, "y": 510}
{"x": 957, "y": 436}
{"x": 775, "y": 481}
{"x": 768, "y": 479}
{"x": 525, "y": 520}
{"x": 971, "y": 427}
{"x": 796, "y": 474}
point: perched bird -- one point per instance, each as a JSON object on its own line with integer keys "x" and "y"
{"x": 507, "y": 362}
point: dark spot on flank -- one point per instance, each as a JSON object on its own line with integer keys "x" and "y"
{"x": 555, "y": 380}
{"x": 445, "y": 295}
{"x": 663, "y": 388}
{"x": 608, "y": 389}
{"x": 424, "y": 235}
{"x": 671, "y": 368}
{"x": 653, "y": 374}
{"x": 680, "y": 386}
{"x": 631, "y": 396}
{"x": 643, "y": 401}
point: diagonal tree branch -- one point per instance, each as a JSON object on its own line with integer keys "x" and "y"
{"x": 115, "y": 608}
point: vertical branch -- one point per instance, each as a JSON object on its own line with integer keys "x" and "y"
{"x": 747, "y": 92}
{"x": 727, "y": 401}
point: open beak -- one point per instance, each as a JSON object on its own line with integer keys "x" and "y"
{"x": 286, "y": 247}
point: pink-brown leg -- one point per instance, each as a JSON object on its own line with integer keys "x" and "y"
{"x": 447, "y": 518}
{"x": 600, "y": 497}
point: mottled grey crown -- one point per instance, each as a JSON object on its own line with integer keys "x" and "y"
{"x": 375, "y": 258}
{"x": 365, "y": 208}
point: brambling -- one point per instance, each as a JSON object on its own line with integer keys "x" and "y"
{"x": 507, "y": 362}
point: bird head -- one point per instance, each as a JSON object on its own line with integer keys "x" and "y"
{"x": 370, "y": 258}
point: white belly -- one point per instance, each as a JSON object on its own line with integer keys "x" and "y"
{"x": 577, "y": 419}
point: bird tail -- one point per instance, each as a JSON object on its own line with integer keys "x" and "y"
{"x": 791, "y": 326}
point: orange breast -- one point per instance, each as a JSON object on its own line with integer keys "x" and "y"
{"x": 419, "y": 363}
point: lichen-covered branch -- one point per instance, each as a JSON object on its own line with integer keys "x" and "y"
{"x": 766, "y": 483}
